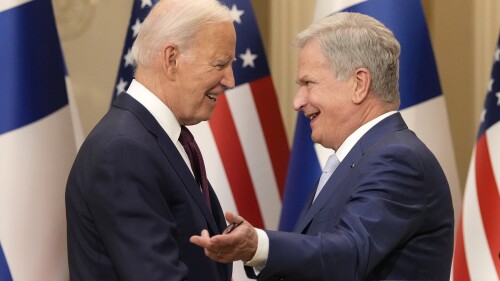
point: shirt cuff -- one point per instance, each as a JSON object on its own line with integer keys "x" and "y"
{"x": 259, "y": 260}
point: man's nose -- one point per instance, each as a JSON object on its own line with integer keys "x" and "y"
{"x": 300, "y": 99}
{"x": 228, "y": 78}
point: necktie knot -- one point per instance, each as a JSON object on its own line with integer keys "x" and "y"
{"x": 331, "y": 164}
{"x": 185, "y": 137}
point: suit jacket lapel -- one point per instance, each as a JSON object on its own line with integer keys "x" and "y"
{"x": 171, "y": 153}
{"x": 328, "y": 190}
{"x": 390, "y": 124}
{"x": 306, "y": 208}
{"x": 218, "y": 213}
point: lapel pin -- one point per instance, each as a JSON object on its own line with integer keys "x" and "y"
{"x": 353, "y": 165}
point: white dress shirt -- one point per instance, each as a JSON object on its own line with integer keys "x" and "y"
{"x": 161, "y": 113}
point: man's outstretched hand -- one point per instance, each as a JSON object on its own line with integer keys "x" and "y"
{"x": 238, "y": 242}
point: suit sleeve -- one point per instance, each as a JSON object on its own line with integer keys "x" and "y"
{"x": 384, "y": 207}
{"x": 131, "y": 214}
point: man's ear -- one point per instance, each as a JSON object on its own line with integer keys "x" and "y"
{"x": 362, "y": 83}
{"x": 170, "y": 61}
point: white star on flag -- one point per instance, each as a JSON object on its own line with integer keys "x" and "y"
{"x": 490, "y": 84}
{"x": 248, "y": 58}
{"x": 236, "y": 14}
{"x": 145, "y": 3}
{"x": 129, "y": 59}
{"x": 483, "y": 115}
{"x": 120, "y": 87}
{"x": 136, "y": 27}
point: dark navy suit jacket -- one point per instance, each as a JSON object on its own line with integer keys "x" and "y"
{"x": 385, "y": 214}
{"x": 132, "y": 204}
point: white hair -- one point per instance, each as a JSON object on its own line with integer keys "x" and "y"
{"x": 351, "y": 41}
{"x": 176, "y": 22}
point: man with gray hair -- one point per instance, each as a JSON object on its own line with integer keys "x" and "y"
{"x": 382, "y": 208}
{"x": 138, "y": 188}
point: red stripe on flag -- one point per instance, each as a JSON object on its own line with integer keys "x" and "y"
{"x": 272, "y": 126}
{"x": 460, "y": 268}
{"x": 235, "y": 165}
{"x": 489, "y": 201}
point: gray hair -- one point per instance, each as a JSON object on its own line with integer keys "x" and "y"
{"x": 176, "y": 22}
{"x": 350, "y": 41}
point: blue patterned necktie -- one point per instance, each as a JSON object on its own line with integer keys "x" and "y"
{"x": 331, "y": 164}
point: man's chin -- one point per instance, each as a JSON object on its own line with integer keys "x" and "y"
{"x": 317, "y": 140}
{"x": 202, "y": 117}
{"x": 314, "y": 138}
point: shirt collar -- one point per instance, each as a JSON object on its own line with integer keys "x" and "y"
{"x": 353, "y": 138}
{"x": 157, "y": 108}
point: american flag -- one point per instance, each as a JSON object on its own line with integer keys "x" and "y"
{"x": 477, "y": 247}
{"x": 140, "y": 9}
{"x": 422, "y": 103}
{"x": 244, "y": 144}
{"x": 37, "y": 144}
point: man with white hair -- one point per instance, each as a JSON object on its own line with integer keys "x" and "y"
{"x": 138, "y": 188}
{"x": 382, "y": 208}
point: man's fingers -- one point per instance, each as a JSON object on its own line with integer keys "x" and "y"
{"x": 197, "y": 240}
{"x": 230, "y": 216}
{"x": 227, "y": 248}
{"x": 204, "y": 234}
{"x": 203, "y": 240}
{"x": 233, "y": 218}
